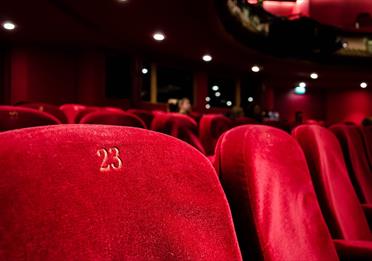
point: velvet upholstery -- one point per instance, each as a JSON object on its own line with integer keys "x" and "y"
{"x": 113, "y": 118}
{"x": 338, "y": 200}
{"x": 16, "y": 117}
{"x": 71, "y": 111}
{"x": 354, "y": 250}
{"x": 367, "y": 137}
{"x": 146, "y": 116}
{"x": 351, "y": 141}
{"x": 178, "y": 125}
{"x": 154, "y": 198}
{"x": 48, "y": 108}
{"x": 276, "y": 214}
{"x": 211, "y": 127}
{"x": 82, "y": 113}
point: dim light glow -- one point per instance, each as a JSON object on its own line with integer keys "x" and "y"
{"x": 217, "y": 94}
{"x": 250, "y": 99}
{"x": 363, "y": 85}
{"x": 145, "y": 70}
{"x": 314, "y": 76}
{"x": 207, "y": 99}
{"x": 228, "y": 103}
{"x": 207, "y": 58}
{"x": 9, "y": 26}
{"x": 255, "y": 68}
{"x": 158, "y": 36}
{"x": 300, "y": 90}
{"x": 207, "y": 106}
{"x": 302, "y": 84}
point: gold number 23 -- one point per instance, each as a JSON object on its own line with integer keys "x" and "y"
{"x": 110, "y": 159}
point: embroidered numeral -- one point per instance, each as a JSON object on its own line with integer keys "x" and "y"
{"x": 110, "y": 159}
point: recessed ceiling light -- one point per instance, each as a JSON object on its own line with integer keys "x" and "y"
{"x": 158, "y": 36}
{"x": 228, "y": 103}
{"x": 207, "y": 106}
{"x": 145, "y": 70}
{"x": 255, "y": 68}
{"x": 250, "y": 99}
{"x": 207, "y": 99}
{"x": 314, "y": 76}
{"x": 363, "y": 85}
{"x": 207, "y": 58}
{"x": 302, "y": 84}
{"x": 217, "y": 94}
{"x": 9, "y": 26}
{"x": 215, "y": 88}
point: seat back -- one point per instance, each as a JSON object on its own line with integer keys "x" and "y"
{"x": 48, "y": 108}
{"x": 113, "y": 118}
{"x": 178, "y": 125}
{"x": 338, "y": 200}
{"x": 16, "y": 117}
{"x": 367, "y": 136}
{"x": 93, "y": 192}
{"x": 211, "y": 127}
{"x": 277, "y": 217}
{"x": 71, "y": 111}
{"x": 146, "y": 116}
{"x": 351, "y": 141}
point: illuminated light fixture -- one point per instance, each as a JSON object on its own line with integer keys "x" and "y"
{"x": 158, "y": 36}
{"x": 255, "y": 68}
{"x": 228, "y": 103}
{"x": 215, "y": 88}
{"x": 207, "y": 58}
{"x": 314, "y": 76}
{"x": 345, "y": 45}
{"x": 302, "y": 84}
{"x": 207, "y": 106}
{"x": 300, "y": 90}
{"x": 9, "y": 26}
{"x": 207, "y": 99}
{"x": 122, "y": 1}
{"x": 300, "y": 2}
{"x": 145, "y": 70}
{"x": 250, "y": 99}
{"x": 217, "y": 94}
{"x": 363, "y": 85}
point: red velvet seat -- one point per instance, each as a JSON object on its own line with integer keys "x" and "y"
{"x": 71, "y": 111}
{"x": 276, "y": 214}
{"x": 367, "y": 137}
{"x": 355, "y": 155}
{"x": 146, "y": 116}
{"x": 48, "y": 108}
{"x": 113, "y": 118}
{"x": 178, "y": 125}
{"x": 338, "y": 200}
{"x": 15, "y": 117}
{"x": 83, "y": 192}
{"x": 211, "y": 127}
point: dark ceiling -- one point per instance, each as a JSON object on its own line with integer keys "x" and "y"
{"x": 192, "y": 28}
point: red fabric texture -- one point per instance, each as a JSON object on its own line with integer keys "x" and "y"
{"x": 211, "y": 127}
{"x": 367, "y": 136}
{"x": 354, "y": 250}
{"x": 71, "y": 111}
{"x": 276, "y": 214}
{"x": 178, "y": 125}
{"x": 113, "y": 118}
{"x": 16, "y": 117}
{"x": 48, "y": 108}
{"x": 351, "y": 141}
{"x": 146, "y": 116}
{"x": 338, "y": 200}
{"x": 164, "y": 202}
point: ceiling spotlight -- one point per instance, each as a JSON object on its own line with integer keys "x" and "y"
{"x": 302, "y": 84}
{"x": 217, "y": 94}
{"x": 9, "y": 26}
{"x": 158, "y": 36}
{"x": 228, "y": 103}
{"x": 207, "y": 58}
{"x": 363, "y": 85}
{"x": 145, "y": 70}
{"x": 207, "y": 99}
{"x": 215, "y": 88}
{"x": 314, "y": 76}
{"x": 250, "y": 99}
{"x": 255, "y": 68}
{"x": 207, "y": 106}
{"x": 345, "y": 45}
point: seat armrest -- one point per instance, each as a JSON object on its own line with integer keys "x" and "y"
{"x": 353, "y": 250}
{"x": 367, "y": 208}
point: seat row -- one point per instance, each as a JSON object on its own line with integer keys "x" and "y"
{"x": 97, "y": 192}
